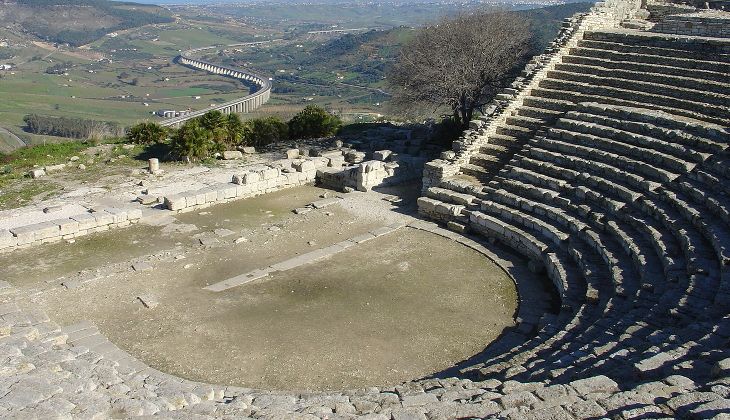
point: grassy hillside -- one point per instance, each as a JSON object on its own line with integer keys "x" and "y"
{"x": 350, "y": 69}
{"x": 77, "y": 22}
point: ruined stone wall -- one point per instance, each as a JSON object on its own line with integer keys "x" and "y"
{"x": 68, "y": 228}
{"x": 255, "y": 180}
{"x": 695, "y": 24}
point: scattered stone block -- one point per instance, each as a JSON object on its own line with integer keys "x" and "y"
{"x": 209, "y": 241}
{"x": 148, "y": 301}
{"x": 141, "y": 266}
{"x": 336, "y": 162}
{"x": 355, "y": 157}
{"x": 232, "y": 155}
{"x": 55, "y": 168}
{"x": 37, "y": 173}
{"x": 721, "y": 368}
{"x": 147, "y": 200}
{"x": 248, "y": 150}
{"x": 223, "y": 232}
{"x": 292, "y": 154}
{"x": 599, "y": 383}
{"x": 326, "y": 202}
{"x": 302, "y": 210}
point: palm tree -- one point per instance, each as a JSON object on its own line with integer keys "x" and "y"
{"x": 193, "y": 141}
{"x": 233, "y": 130}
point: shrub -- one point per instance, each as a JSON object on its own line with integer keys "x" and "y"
{"x": 193, "y": 141}
{"x": 312, "y": 122}
{"x": 147, "y": 132}
{"x": 262, "y": 131}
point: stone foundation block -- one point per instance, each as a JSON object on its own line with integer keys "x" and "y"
{"x": 175, "y": 202}
{"x": 304, "y": 166}
{"x": 270, "y": 173}
{"x": 67, "y": 226}
{"x": 119, "y": 215}
{"x": 250, "y": 178}
{"x": 85, "y": 221}
{"x": 103, "y": 218}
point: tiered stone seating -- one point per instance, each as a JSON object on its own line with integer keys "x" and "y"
{"x": 619, "y": 191}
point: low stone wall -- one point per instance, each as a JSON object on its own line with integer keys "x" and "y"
{"x": 256, "y": 180}
{"x": 67, "y": 228}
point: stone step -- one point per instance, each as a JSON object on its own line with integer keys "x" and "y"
{"x": 652, "y": 88}
{"x": 498, "y": 150}
{"x": 556, "y": 105}
{"x": 607, "y": 55}
{"x": 654, "y": 50}
{"x": 674, "y": 156}
{"x": 569, "y": 147}
{"x": 595, "y": 137}
{"x": 449, "y": 196}
{"x": 690, "y": 73}
{"x": 476, "y": 171}
{"x": 520, "y": 133}
{"x": 699, "y": 135}
{"x": 545, "y": 115}
{"x": 504, "y": 140}
{"x": 651, "y": 77}
{"x": 529, "y": 123}
{"x": 487, "y": 161}
{"x": 577, "y": 93}
{"x": 675, "y": 42}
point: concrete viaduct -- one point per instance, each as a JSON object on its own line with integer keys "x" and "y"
{"x": 245, "y": 104}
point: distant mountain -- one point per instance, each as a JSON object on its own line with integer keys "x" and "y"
{"x": 77, "y": 22}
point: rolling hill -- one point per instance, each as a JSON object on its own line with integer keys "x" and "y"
{"x": 77, "y": 22}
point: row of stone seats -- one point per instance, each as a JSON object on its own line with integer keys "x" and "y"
{"x": 667, "y": 298}
{"x": 683, "y": 85}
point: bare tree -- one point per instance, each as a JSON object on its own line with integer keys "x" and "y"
{"x": 460, "y": 62}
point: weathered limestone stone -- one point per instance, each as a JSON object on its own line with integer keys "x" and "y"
{"x": 37, "y": 173}
{"x": 721, "y": 368}
{"x": 141, "y": 266}
{"x": 250, "y": 178}
{"x": 304, "y": 166}
{"x": 148, "y": 301}
{"x": 175, "y": 202}
{"x": 153, "y": 165}
{"x": 232, "y": 155}
{"x": 55, "y": 168}
{"x": 595, "y": 384}
{"x": 381, "y": 154}
{"x": 292, "y": 154}
{"x": 248, "y": 150}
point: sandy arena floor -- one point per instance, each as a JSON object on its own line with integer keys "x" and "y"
{"x": 395, "y": 308}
